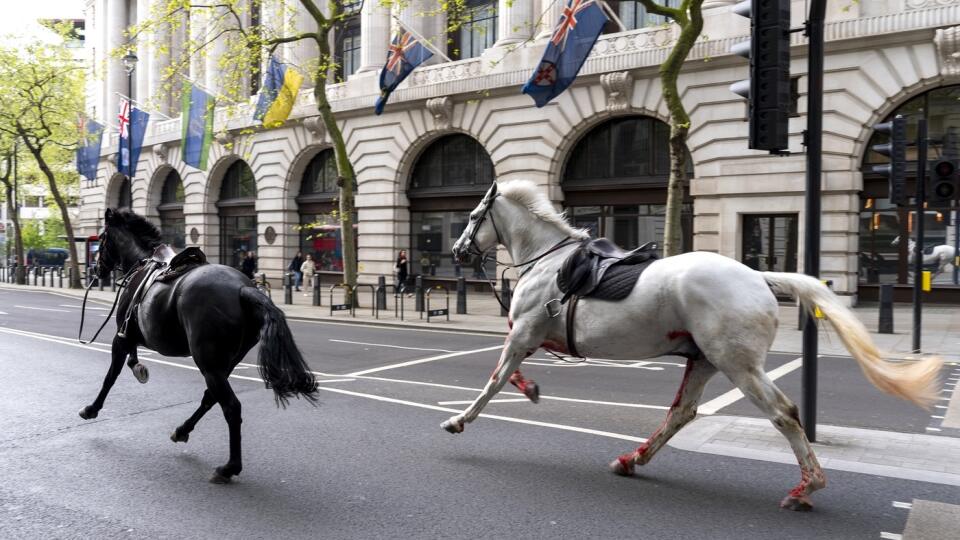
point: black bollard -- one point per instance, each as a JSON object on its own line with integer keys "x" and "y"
{"x": 461, "y": 295}
{"x": 381, "y": 292}
{"x": 886, "y": 309}
{"x": 418, "y": 291}
{"x": 43, "y": 277}
{"x": 288, "y": 288}
{"x": 505, "y": 295}
{"x": 60, "y": 276}
{"x": 317, "y": 296}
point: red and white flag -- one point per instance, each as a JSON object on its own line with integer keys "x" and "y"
{"x": 124, "y": 117}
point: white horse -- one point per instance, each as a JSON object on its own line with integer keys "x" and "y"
{"x": 940, "y": 256}
{"x": 716, "y": 312}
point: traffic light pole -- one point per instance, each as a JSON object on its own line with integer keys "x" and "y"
{"x": 921, "y": 199}
{"x": 811, "y": 252}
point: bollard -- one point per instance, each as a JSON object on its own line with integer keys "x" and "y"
{"x": 886, "y": 309}
{"x": 316, "y": 291}
{"x": 381, "y": 293}
{"x": 43, "y": 277}
{"x": 505, "y": 295}
{"x": 461, "y": 295}
{"x": 418, "y": 291}
{"x": 288, "y": 288}
{"x": 60, "y": 276}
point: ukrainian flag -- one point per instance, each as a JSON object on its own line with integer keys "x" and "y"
{"x": 278, "y": 94}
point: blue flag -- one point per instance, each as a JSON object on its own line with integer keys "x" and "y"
{"x": 571, "y": 42}
{"x": 88, "y": 151}
{"x": 132, "y": 121}
{"x": 197, "y": 121}
{"x": 405, "y": 54}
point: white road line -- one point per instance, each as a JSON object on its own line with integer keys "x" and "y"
{"x": 384, "y": 399}
{"x": 423, "y": 360}
{"x": 937, "y": 417}
{"x": 933, "y": 429}
{"x": 714, "y": 405}
{"x": 3, "y": 313}
{"x": 551, "y": 398}
{"x": 397, "y": 328}
{"x": 469, "y": 401}
{"x": 81, "y": 307}
{"x": 44, "y": 309}
{"x": 891, "y": 536}
{"x": 390, "y": 346}
{"x": 55, "y": 339}
{"x": 898, "y": 504}
{"x": 940, "y": 406}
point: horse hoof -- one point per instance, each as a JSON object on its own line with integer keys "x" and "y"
{"x": 176, "y": 436}
{"x": 452, "y": 427}
{"x": 620, "y": 468}
{"x": 141, "y": 373}
{"x": 88, "y": 413}
{"x": 218, "y": 478}
{"x": 532, "y": 391}
{"x": 797, "y": 504}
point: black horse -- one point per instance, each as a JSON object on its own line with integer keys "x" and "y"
{"x": 212, "y": 312}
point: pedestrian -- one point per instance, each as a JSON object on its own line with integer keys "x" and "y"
{"x": 307, "y": 269}
{"x": 249, "y": 265}
{"x": 294, "y": 267}
{"x": 403, "y": 268}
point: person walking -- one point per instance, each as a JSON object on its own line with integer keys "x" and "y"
{"x": 403, "y": 268}
{"x": 294, "y": 267}
{"x": 249, "y": 265}
{"x": 307, "y": 269}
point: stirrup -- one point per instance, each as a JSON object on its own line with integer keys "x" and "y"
{"x": 547, "y": 305}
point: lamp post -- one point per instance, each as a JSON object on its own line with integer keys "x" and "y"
{"x": 129, "y": 65}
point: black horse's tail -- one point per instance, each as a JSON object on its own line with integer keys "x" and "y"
{"x": 281, "y": 365}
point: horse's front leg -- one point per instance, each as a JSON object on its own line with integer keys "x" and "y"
{"x": 139, "y": 370}
{"x": 119, "y": 351}
{"x": 519, "y": 345}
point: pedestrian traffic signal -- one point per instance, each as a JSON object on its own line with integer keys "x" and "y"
{"x": 768, "y": 88}
{"x": 896, "y": 150}
{"x": 944, "y": 181}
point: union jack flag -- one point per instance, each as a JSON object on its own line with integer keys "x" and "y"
{"x": 405, "y": 54}
{"x": 124, "y": 117}
{"x": 401, "y": 42}
{"x": 570, "y": 44}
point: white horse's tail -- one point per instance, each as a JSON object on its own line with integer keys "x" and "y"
{"x": 912, "y": 381}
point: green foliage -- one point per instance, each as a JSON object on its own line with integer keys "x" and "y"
{"x": 42, "y": 234}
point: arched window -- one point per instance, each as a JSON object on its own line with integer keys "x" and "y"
{"x": 172, "y": 222}
{"x": 238, "y": 215}
{"x": 447, "y": 181}
{"x": 615, "y": 182}
{"x": 319, "y": 214}
{"x": 125, "y": 195}
{"x": 880, "y": 221}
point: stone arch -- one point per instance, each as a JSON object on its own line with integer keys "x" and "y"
{"x": 114, "y": 184}
{"x": 155, "y": 188}
{"x": 297, "y": 169}
{"x": 416, "y": 149}
{"x": 215, "y": 180}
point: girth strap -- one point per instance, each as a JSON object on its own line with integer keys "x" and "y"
{"x": 571, "y": 338}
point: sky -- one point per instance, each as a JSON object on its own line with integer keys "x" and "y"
{"x": 20, "y": 16}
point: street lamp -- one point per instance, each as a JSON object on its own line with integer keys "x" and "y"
{"x": 129, "y": 65}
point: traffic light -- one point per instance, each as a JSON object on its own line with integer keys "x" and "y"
{"x": 768, "y": 88}
{"x": 896, "y": 150}
{"x": 944, "y": 181}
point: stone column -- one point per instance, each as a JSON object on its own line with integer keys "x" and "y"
{"x": 515, "y": 21}
{"x": 198, "y": 29}
{"x": 142, "y": 93}
{"x": 116, "y": 24}
{"x": 374, "y": 36}
{"x": 216, "y": 22}
{"x": 550, "y": 17}
{"x": 304, "y": 54}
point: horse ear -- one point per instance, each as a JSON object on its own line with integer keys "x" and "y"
{"x": 491, "y": 193}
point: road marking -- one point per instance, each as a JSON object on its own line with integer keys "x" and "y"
{"x": 423, "y": 360}
{"x": 397, "y": 328}
{"x": 551, "y": 398}
{"x": 898, "y": 504}
{"x": 55, "y": 339}
{"x": 714, "y": 405}
{"x": 3, "y": 313}
{"x": 891, "y": 536}
{"x": 575, "y": 429}
{"x": 390, "y": 346}
{"x": 44, "y": 309}
{"x": 469, "y": 401}
{"x": 81, "y": 307}
{"x": 933, "y": 429}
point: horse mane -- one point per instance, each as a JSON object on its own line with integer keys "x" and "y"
{"x": 526, "y": 193}
{"x": 146, "y": 234}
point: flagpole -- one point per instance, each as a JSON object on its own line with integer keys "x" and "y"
{"x": 426, "y": 43}
{"x": 135, "y": 102}
{"x": 613, "y": 15}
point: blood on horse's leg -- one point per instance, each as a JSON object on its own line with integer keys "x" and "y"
{"x": 527, "y": 386}
{"x": 784, "y": 416}
{"x": 683, "y": 410}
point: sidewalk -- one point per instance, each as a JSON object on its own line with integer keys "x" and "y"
{"x": 941, "y": 324}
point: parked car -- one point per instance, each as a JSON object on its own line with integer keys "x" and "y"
{"x": 48, "y": 257}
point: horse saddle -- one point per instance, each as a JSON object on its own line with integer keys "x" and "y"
{"x": 181, "y": 263}
{"x": 600, "y": 269}
{"x": 929, "y": 250}
{"x": 163, "y": 266}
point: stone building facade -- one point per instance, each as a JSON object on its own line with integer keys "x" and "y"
{"x": 598, "y": 150}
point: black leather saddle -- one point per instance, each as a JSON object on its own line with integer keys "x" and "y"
{"x": 600, "y": 269}
{"x": 181, "y": 263}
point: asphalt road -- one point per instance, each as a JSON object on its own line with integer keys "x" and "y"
{"x": 372, "y": 461}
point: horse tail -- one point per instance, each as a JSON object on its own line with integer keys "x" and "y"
{"x": 281, "y": 365}
{"x": 912, "y": 381}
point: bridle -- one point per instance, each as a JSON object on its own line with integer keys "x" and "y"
{"x": 122, "y": 285}
{"x": 479, "y": 223}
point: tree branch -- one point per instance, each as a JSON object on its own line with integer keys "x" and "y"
{"x": 315, "y": 12}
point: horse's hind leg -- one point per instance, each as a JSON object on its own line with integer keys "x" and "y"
{"x": 182, "y": 433}
{"x": 755, "y": 384}
{"x": 118, "y": 352}
{"x": 683, "y": 410}
{"x": 223, "y": 393}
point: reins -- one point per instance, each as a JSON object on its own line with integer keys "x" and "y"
{"x": 562, "y": 243}
{"x": 83, "y": 307}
